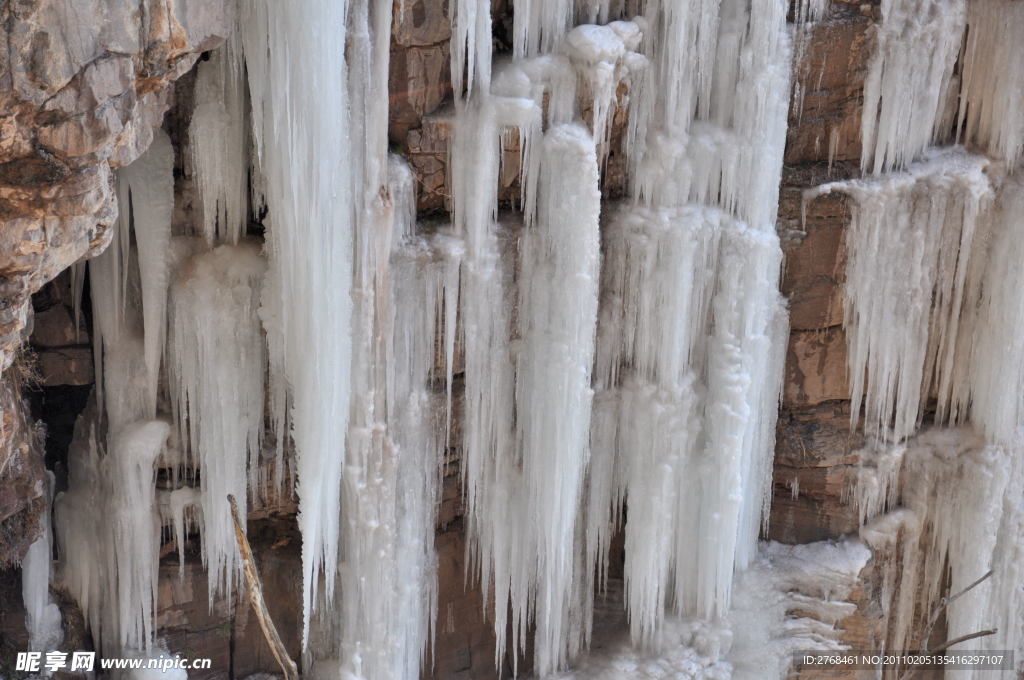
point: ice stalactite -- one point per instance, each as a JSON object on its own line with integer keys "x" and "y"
{"x": 216, "y": 363}
{"x": 692, "y": 377}
{"x": 109, "y": 532}
{"x": 471, "y": 46}
{"x": 691, "y": 394}
{"x": 711, "y": 127}
{"x": 991, "y": 113}
{"x": 425, "y": 280}
{"x": 538, "y": 25}
{"x": 910, "y": 80}
{"x": 218, "y": 144}
{"x": 910, "y": 243}
{"x": 960, "y": 516}
{"x": 42, "y": 615}
{"x": 107, "y": 523}
{"x": 129, "y": 288}
{"x": 992, "y": 381}
{"x": 557, "y": 323}
{"x": 181, "y": 509}
{"x": 604, "y": 57}
{"x": 303, "y": 149}
{"x": 707, "y": 103}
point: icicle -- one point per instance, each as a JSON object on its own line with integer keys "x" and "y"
{"x": 558, "y": 316}
{"x": 108, "y": 532}
{"x": 910, "y": 243}
{"x": 42, "y": 615}
{"x": 181, "y": 509}
{"x": 990, "y": 112}
{"x": 710, "y": 126}
{"x": 965, "y": 502}
{"x": 293, "y": 50}
{"x": 218, "y": 143}
{"x": 216, "y": 363}
{"x": 471, "y": 46}
{"x": 909, "y": 80}
{"x": 604, "y": 56}
{"x": 995, "y": 371}
{"x": 678, "y": 279}
{"x": 150, "y": 180}
{"x": 538, "y": 25}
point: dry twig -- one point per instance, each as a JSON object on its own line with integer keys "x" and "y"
{"x": 259, "y": 606}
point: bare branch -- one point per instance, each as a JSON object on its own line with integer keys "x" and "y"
{"x": 255, "y": 588}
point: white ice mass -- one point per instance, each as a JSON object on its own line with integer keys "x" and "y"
{"x": 622, "y": 359}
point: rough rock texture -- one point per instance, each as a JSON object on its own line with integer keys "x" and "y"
{"x": 22, "y": 475}
{"x": 82, "y": 84}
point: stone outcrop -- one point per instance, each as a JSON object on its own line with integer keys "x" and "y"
{"x": 82, "y": 85}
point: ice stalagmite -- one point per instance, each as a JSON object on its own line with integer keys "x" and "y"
{"x": 303, "y": 149}
{"x": 216, "y": 363}
{"x": 907, "y": 90}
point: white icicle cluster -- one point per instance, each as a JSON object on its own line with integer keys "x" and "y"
{"x": 933, "y": 312}
{"x": 302, "y": 145}
{"x": 688, "y": 351}
{"x": 215, "y": 369}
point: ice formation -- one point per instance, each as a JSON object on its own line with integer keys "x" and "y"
{"x": 990, "y": 111}
{"x": 687, "y": 399}
{"x": 218, "y": 143}
{"x": 127, "y": 282}
{"x": 291, "y": 51}
{"x": 42, "y": 615}
{"x": 959, "y": 509}
{"x": 216, "y": 362}
{"x": 108, "y": 531}
{"x": 910, "y": 80}
{"x": 790, "y": 599}
{"x": 932, "y": 293}
{"x": 910, "y": 243}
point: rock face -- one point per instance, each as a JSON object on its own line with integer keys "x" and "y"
{"x": 82, "y": 85}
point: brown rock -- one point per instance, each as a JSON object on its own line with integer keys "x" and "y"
{"x": 829, "y": 81}
{"x": 22, "y": 475}
{"x": 420, "y": 80}
{"x": 421, "y": 22}
{"x": 816, "y": 368}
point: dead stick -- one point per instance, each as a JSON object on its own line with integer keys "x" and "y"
{"x": 964, "y": 638}
{"x": 949, "y": 643}
{"x": 252, "y": 579}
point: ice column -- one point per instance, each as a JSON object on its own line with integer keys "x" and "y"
{"x": 303, "y": 147}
